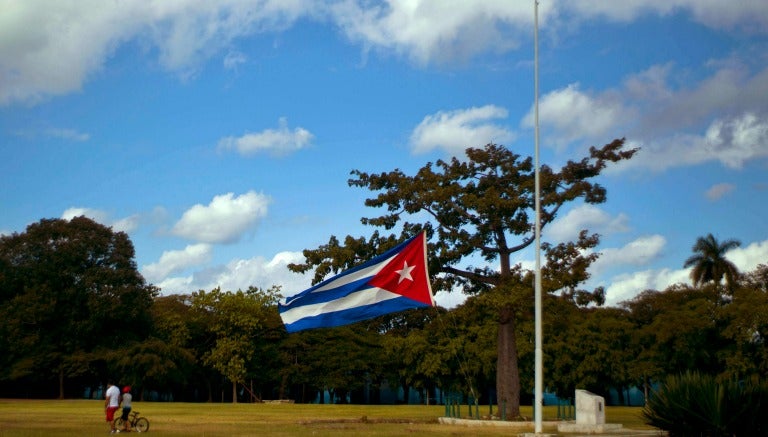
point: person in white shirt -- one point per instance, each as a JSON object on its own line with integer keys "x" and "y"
{"x": 111, "y": 404}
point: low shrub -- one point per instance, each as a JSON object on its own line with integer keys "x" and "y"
{"x": 694, "y": 404}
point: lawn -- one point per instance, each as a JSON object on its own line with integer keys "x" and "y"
{"x": 86, "y": 417}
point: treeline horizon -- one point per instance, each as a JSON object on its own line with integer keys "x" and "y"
{"x": 64, "y": 338}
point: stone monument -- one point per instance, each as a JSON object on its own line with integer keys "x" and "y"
{"x": 590, "y": 408}
{"x": 590, "y": 415}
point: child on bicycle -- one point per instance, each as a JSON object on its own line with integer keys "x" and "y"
{"x": 126, "y": 404}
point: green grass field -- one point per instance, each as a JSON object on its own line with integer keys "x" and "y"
{"x": 86, "y": 417}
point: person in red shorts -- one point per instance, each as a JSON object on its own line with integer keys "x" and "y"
{"x": 111, "y": 404}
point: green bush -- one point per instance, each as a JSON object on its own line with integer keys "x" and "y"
{"x": 694, "y": 404}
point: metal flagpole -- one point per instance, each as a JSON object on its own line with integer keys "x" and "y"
{"x": 539, "y": 378}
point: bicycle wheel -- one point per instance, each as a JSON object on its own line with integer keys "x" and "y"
{"x": 118, "y": 423}
{"x": 142, "y": 424}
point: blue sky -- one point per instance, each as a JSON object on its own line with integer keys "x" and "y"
{"x": 220, "y": 135}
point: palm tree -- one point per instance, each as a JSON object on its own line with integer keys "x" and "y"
{"x": 709, "y": 263}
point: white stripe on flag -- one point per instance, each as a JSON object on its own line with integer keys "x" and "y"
{"x": 360, "y": 298}
{"x": 355, "y": 275}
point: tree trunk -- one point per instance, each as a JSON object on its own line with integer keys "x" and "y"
{"x": 234, "y": 392}
{"x": 645, "y": 390}
{"x": 620, "y": 392}
{"x": 507, "y": 372}
{"x": 283, "y": 384}
{"x": 61, "y": 383}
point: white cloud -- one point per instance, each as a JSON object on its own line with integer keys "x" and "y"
{"x": 432, "y": 31}
{"x": 223, "y": 220}
{"x": 36, "y": 36}
{"x": 650, "y": 84}
{"x": 188, "y": 32}
{"x": 589, "y": 217}
{"x": 722, "y": 118}
{"x": 639, "y": 252}
{"x": 716, "y": 192}
{"x": 454, "y": 131}
{"x": 233, "y": 60}
{"x": 627, "y": 286}
{"x": 264, "y": 273}
{"x": 177, "y": 285}
{"x": 450, "y": 300}
{"x": 428, "y": 31}
{"x": 93, "y": 214}
{"x": 68, "y": 134}
{"x": 277, "y": 141}
{"x": 737, "y": 140}
{"x": 748, "y": 258}
{"x": 242, "y": 273}
{"x": 691, "y": 105}
{"x": 730, "y": 91}
{"x": 174, "y": 261}
{"x": 126, "y": 224}
{"x": 732, "y": 142}
{"x": 568, "y": 115}
{"x": 624, "y": 11}
{"x": 750, "y": 15}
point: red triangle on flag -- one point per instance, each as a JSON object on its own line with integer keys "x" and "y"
{"x": 406, "y": 274}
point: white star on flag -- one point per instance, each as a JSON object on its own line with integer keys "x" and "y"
{"x": 405, "y": 273}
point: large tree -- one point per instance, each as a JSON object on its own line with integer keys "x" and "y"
{"x": 709, "y": 262}
{"x": 69, "y": 291}
{"x": 235, "y": 320}
{"x": 481, "y": 209}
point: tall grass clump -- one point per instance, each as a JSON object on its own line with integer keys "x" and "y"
{"x": 694, "y": 404}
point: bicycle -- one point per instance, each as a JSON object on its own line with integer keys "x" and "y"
{"x": 140, "y": 424}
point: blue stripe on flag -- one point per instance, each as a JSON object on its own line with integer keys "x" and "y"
{"x": 315, "y": 297}
{"x": 352, "y": 315}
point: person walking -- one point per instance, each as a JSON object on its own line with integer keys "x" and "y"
{"x": 111, "y": 404}
{"x": 126, "y": 404}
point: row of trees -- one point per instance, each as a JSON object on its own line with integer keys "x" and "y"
{"x": 191, "y": 347}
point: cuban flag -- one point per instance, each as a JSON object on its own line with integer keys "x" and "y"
{"x": 393, "y": 281}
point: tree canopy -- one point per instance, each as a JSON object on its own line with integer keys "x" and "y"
{"x": 69, "y": 292}
{"x": 88, "y": 326}
{"x": 233, "y": 319}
